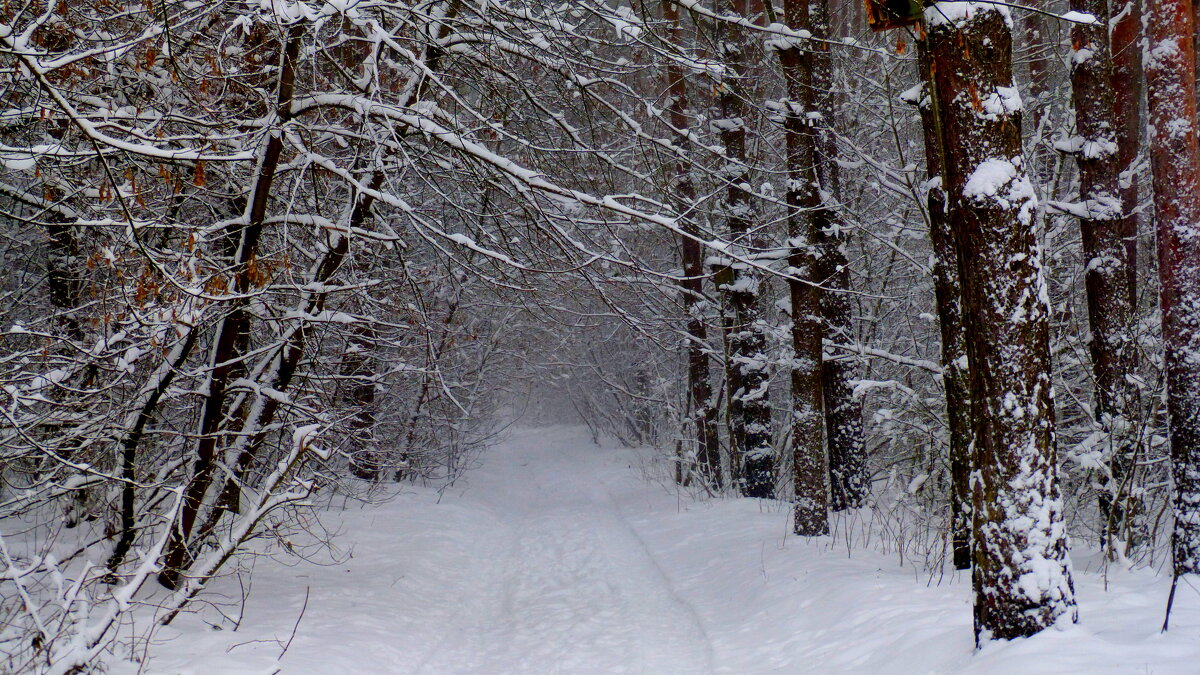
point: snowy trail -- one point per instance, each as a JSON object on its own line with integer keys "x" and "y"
{"x": 570, "y": 588}
{"x": 527, "y": 566}
{"x": 555, "y": 556}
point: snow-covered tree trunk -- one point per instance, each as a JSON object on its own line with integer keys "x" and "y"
{"x": 1100, "y": 210}
{"x": 1022, "y": 572}
{"x": 702, "y": 411}
{"x": 747, "y": 337}
{"x": 948, "y": 297}
{"x": 809, "y": 471}
{"x": 1175, "y": 169}
{"x": 849, "y": 482}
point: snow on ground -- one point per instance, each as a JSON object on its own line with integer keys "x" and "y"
{"x": 557, "y": 556}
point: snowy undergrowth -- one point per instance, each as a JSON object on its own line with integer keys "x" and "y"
{"x": 557, "y": 556}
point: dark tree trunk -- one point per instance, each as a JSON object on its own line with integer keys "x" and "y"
{"x": 129, "y": 452}
{"x": 1175, "y": 169}
{"x": 1127, "y": 79}
{"x": 234, "y": 327}
{"x": 849, "y": 481}
{"x": 1042, "y": 50}
{"x": 1022, "y": 574}
{"x": 256, "y": 425}
{"x": 62, "y": 272}
{"x": 948, "y": 296}
{"x": 809, "y": 470}
{"x": 747, "y": 337}
{"x": 1110, "y": 314}
{"x": 366, "y": 462}
{"x": 702, "y": 412}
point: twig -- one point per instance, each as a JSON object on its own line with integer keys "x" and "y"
{"x": 297, "y": 626}
{"x": 1170, "y": 601}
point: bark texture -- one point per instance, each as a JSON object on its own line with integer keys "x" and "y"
{"x": 948, "y": 298}
{"x": 1022, "y": 573}
{"x": 1175, "y": 168}
{"x": 1127, "y": 80}
{"x": 1107, "y": 277}
{"x": 849, "y": 482}
{"x": 751, "y": 423}
{"x": 809, "y": 471}
{"x": 702, "y": 411}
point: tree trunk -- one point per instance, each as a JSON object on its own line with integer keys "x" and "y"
{"x": 809, "y": 470}
{"x": 1175, "y": 169}
{"x": 1110, "y": 314}
{"x": 1022, "y": 573}
{"x": 1042, "y": 48}
{"x": 359, "y": 367}
{"x": 849, "y": 481}
{"x": 234, "y": 326}
{"x": 947, "y": 293}
{"x": 702, "y": 412}
{"x": 747, "y": 338}
{"x": 1127, "y": 101}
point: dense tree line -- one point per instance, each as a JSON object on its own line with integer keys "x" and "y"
{"x": 937, "y": 281}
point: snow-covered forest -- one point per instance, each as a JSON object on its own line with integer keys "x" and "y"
{"x": 662, "y": 336}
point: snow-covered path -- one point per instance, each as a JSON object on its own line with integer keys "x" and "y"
{"x": 560, "y": 566}
{"x": 556, "y": 556}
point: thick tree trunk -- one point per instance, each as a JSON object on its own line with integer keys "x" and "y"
{"x": 1022, "y": 573}
{"x": 1110, "y": 314}
{"x": 702, "y": 412}
{"x": 849, "y": 481}
{"x": 809, "y": 471}
{"x": 1175, "y": 168}
{"x": 948, "y": 297}
{"x": 747, "y": 338}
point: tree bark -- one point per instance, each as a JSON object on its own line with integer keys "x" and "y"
{"x": 849, "y": 481}
{"x": 359, "y": 367}
{"x": 1175, "y": 170}
{"x": 1042, "y": 47}
{"x": 1022, "y": 573}
{"x": 702, "y": 411}
{"x": 747, "y": 337}
{"x": 1110, "y": 314}
{"x": 1127, "y": 79}
{"x": 805, "y": 209}
{"x": 947, "y": 291}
